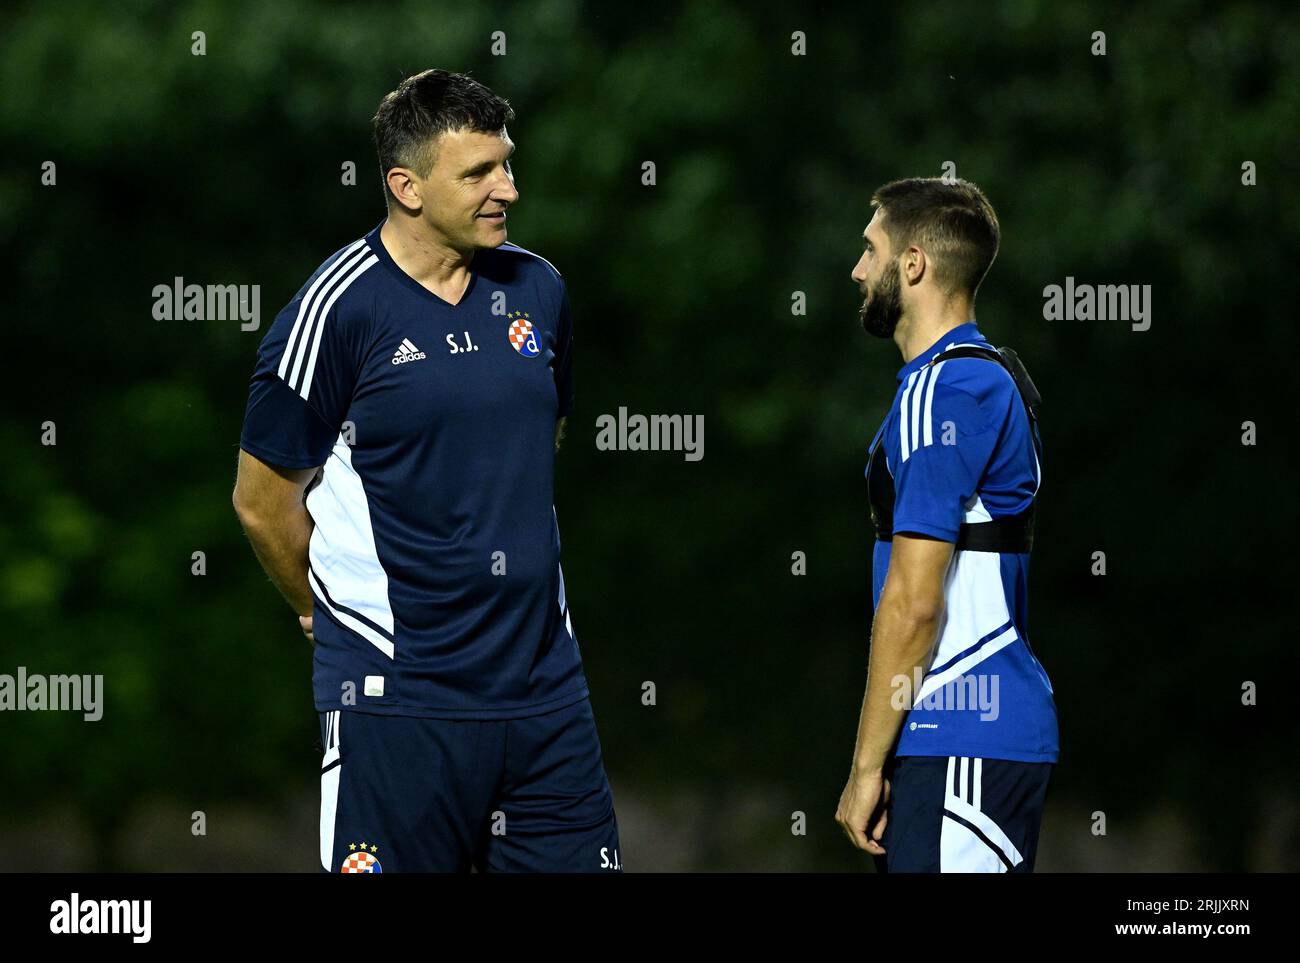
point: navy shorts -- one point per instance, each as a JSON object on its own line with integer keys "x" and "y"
{"x": 957, "y": 814}
{"x": 408, "y": 794}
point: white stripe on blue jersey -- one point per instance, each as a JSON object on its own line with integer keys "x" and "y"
{"x": 313, "y": 310}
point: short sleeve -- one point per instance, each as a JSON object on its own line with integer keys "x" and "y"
{"x": 301, "y": 388}
{"x": 564, "y": 355}
{"x": 939, "y": 453}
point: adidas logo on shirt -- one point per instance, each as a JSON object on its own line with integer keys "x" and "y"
{"x": 407, "y": 352}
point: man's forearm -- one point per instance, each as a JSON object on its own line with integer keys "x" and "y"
{"x": 280, "y": 544}
{"x": 901, "y": 641}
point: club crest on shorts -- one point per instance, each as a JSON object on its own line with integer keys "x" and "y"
{"x": 522, "y": 337}
{"x": 361, "y": 860}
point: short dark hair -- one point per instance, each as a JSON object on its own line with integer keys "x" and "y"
{"x": 952, "y": 220}
{"x": 427, "y": 104}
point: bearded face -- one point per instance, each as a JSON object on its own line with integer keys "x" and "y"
{"x": 883, "y": 305}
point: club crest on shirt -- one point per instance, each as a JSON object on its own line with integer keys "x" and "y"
{"x": 361, "y": 860}
{"x": 522, "y": 337}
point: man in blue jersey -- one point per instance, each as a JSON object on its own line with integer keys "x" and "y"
{"x": 395, "y": 479}
{"x": 957, "y": 734}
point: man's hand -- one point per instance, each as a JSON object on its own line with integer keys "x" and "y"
{"x": 903, "y": 636}
{"x": 305, "y": 622}
{"x": 865, "y": 796}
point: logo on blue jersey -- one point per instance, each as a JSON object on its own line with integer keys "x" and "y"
{"x": 522, "y": 337}
{"x": 361, "y": 860}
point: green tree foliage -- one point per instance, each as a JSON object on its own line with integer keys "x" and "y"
{"x": 225, "y": 168}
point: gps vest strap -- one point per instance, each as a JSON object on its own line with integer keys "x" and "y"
{"x": 1013, "y": 533}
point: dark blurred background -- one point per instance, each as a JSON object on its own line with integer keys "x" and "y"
{"x": 227, "y": 168}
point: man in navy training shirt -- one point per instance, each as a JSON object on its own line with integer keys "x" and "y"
{"x": 396, "y": 480}
{"x": 957, "y": 734}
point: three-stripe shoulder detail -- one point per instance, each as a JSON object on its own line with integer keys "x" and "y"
{"x": 916, "y": 405}
{"x": 915, "y": 421}
{"x": 298, "y": 363}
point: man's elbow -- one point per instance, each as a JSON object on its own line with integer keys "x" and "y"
{"x": 246, "y": 510}
{"x": 919, "y": 609}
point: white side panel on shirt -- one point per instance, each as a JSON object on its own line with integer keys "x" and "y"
{"x": 343, "y": 549}
{"x": 974, "y": 605}
{"x": 976, "y": 512}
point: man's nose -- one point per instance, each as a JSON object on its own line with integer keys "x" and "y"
{"x": 859, "y": 270}
{"x": 506, "y": 191}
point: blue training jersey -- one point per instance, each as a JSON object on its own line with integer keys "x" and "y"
{"x": 435, "y": 557}
{"x": 959, "y": 448}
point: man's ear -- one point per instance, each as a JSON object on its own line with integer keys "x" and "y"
{"x": 401, "y": 184}
{"x": 915, "y": 264}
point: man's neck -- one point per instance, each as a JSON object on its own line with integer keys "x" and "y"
{"x": 427, "y": 258}
{"x": 914, "y": 337}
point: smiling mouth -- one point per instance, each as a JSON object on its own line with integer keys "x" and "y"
{"x": 498, "y": 216}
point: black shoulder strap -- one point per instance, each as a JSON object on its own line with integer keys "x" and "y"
{"x": 968, "y": 351}
{"x": 1009, "y": 360}
{"x": 1015, "y": 533}
{"x": 1011, "y": 363}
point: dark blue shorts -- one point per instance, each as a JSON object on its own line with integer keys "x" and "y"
{"x": 957, "y": 814}
{"x": 406, "y": 794}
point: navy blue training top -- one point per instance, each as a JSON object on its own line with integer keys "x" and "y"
{"x": 435, "y": 557}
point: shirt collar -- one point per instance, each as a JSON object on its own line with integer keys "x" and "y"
{"x": 962, "y": 334}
